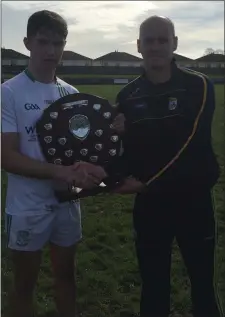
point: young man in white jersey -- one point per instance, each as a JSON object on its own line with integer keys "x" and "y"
{"x": 33, "y": 215}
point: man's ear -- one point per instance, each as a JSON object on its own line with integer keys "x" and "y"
{"x": 138, "y": 46}
{"x": 175, "y": 43}
{"x": 26, "y": 43}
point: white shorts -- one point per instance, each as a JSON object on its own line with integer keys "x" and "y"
{"x": 61, "y": 226}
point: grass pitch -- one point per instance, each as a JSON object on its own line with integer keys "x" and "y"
{"x": 107, "y": 277}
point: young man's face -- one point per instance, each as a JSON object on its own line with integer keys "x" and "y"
{"x": 46, "y": 48}
{"x": 157, "y": 44}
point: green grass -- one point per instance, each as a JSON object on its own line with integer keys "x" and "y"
{"x": 108, "y": 278}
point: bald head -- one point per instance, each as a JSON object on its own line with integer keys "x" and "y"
{"x": 157, "y": 41}
{"x": 155, "y": 20}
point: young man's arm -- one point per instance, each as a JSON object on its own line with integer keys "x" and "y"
{"x": 14, "y": 162}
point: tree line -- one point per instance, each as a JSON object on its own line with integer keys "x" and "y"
{"x": 213, "y": 51}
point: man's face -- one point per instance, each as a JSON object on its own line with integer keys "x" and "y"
{"x": 157, "y": 43}
{"x": 46, "y": 48}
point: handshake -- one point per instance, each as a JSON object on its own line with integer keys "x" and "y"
{"x": 81, "y": 174}
{"x": 89, "y": 176}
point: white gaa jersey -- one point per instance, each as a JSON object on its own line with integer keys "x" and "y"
{"x": 23, "y": 101}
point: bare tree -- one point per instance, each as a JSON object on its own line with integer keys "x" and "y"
{"x": 209, "y": 51}
{"x": 219, "y": 51}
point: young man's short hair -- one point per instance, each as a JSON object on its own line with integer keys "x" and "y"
{"x": 46, "y": 20}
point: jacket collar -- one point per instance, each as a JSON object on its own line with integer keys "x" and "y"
{"x": 173, "y": 80}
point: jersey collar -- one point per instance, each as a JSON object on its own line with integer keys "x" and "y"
{"x": 31, "y": 77}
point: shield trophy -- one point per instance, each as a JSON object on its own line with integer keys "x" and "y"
{"x": 78, "y": 127}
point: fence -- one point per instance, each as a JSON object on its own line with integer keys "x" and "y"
{"x": 110, "y": 81}
{"x": 114, "y": 81}
{"x": 113, "y": 72}
{"x": 102, "y": 70}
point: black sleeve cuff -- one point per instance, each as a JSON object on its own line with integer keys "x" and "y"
{"x": 117, "y": 170}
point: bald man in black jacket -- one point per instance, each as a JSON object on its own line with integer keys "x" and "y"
{"x": 166, "y": 115}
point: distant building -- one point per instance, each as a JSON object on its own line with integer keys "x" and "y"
{"x": 12, "y": 58}
{"x": 214, "y": 63}
{"x": 118, "y": 59}
{"x": 70, "y": 58}
{"x": 121, "y": 59}
{"x": 183, "y": 61}
{"x": 210, "y": 61}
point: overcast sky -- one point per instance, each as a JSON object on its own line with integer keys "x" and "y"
{"x": 99, "y": 27}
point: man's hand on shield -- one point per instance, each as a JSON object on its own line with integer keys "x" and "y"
{"x": 129, "y": 186}
{"x": 81, "y": 174}
{"x": 88, "y": 175}
{"x": 119, "y": 123}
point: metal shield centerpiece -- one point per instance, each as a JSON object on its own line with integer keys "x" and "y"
{"x": 78, "y": 127}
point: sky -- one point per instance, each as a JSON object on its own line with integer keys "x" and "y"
{"x": 100, "y": 27}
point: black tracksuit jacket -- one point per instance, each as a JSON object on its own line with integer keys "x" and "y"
{"x": 168, "y": 146}
{"x": 167, "y": 143}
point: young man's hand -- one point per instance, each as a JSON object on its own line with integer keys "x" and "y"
{"x": 81, "y": 174}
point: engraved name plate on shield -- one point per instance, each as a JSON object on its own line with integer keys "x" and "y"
{"x": 78, "y": 127}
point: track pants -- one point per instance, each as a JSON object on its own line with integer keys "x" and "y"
{"x": 189, "y": 218}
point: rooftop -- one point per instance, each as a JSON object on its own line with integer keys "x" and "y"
{"x": 8, "y": 53}
{"x": 119, "y": 57}
{"x": 115, "y": 57}
{"x": 211, "y": 58}
{"x": 69, "y": 55}
{"x": 181, "y": 58}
